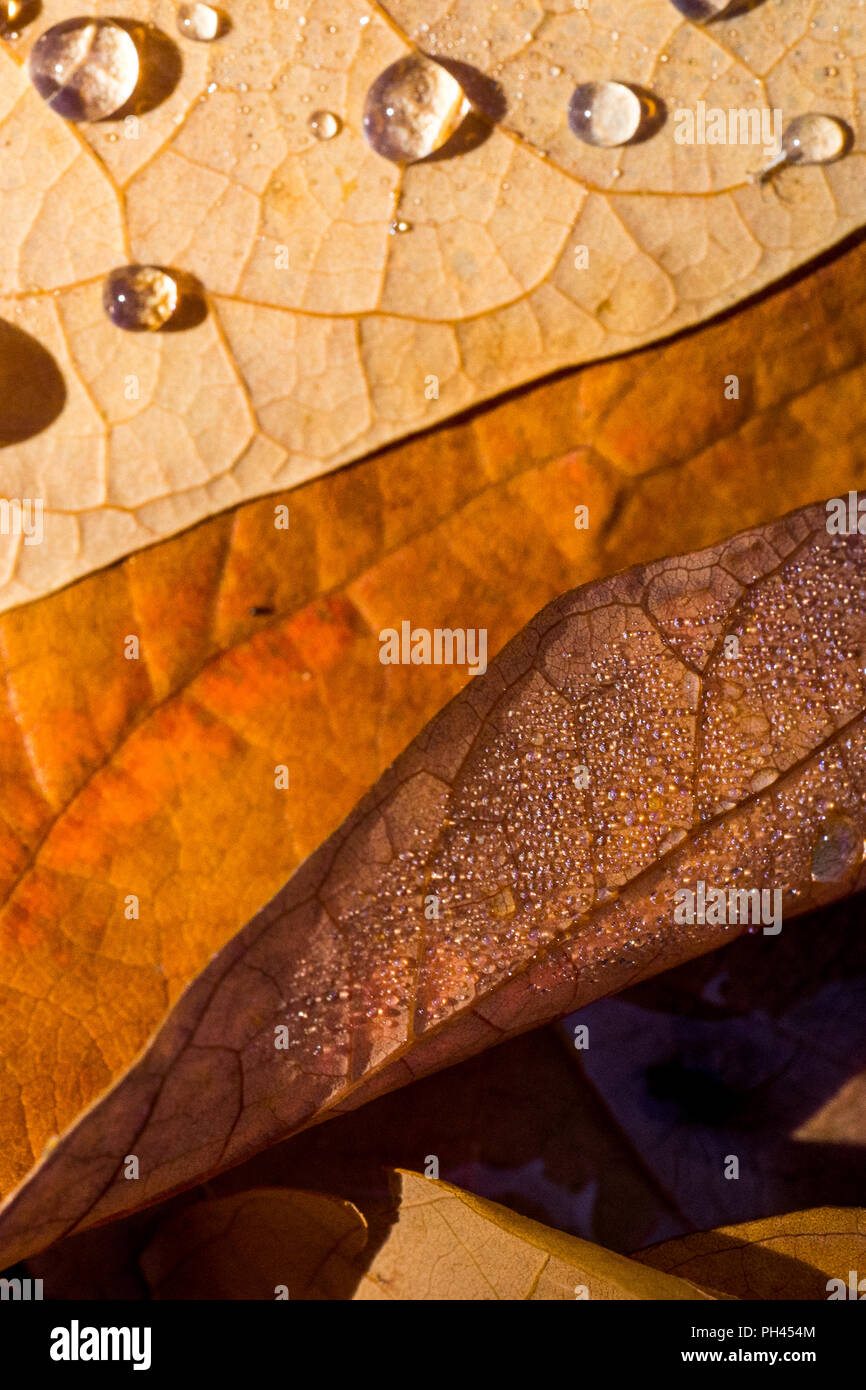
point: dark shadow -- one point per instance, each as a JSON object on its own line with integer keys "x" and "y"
{"x": 483, "y": 91}
{"x": 740, "y": 7}
{"x": 160, "y": 67}
{"x": 31, "y": 386}
{"x": 488, "y": 107}
{"x": 30, "y": 10}
{"x": 770, "y": 1275}
{"x": 848, "y": 139}
{"x": 702, "y": 11}
{"x": 192, "y": 302}
{"x": 655, "y": 113}
{"x": 472, "y": 131}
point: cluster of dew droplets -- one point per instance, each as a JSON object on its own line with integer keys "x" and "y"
{"x": 798, "y": 680}
{"x": 412, "y": 109}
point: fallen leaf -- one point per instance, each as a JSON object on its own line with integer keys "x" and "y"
{"x": 326, "y": 336}
{"x": 784, "y": 1257}
{"x": 262, "y": 1244}
{"x": 154, "y": 779}
{"x": 697, "y": 720}
{"x": 444, "y": 1244}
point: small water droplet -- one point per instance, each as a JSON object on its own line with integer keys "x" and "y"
{"x": 86, "y": 69}
{"x": 837, "y": 850}
{"x": 412, "y": 109}
{"x": 398, "y": 226}
{"x": 702, "y": 11}
{"x": 764, "y": 777}
{"x": 140, "y": 297}
{"x": 606, "y": 113}
{"x": 200, "y": 22}
{"x": 503, "y": 904}
{"x": 325, "y": 125}
{"x": 814, "y": 139}
{"x": 809, "y": 139}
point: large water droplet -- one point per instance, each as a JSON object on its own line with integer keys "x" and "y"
{"x": 140, "y": 297}
{"x": 837, "y": 850}
{"x": 86, "y": 69}
{"x": 200, "y": 22}
{"x": 702, "y": 11}
{"x": 412, "y": 108}
{"x": 324, "y": 125}
{"x": 606, "y": 113}
{"x": 808, "y": 139}
{"x": 814, "y": 139}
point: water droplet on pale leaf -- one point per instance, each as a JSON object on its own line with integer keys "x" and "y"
{"x": 814, "y": 139}
{"x": 86, "y": 69}
{"x": 412, "y": 108}
{"x": 606, "y": 113}
{"x": 838, "y": 849}
{"x": 140, "y": 297}
{"x": 398, "y": 226}
{"x": 200, "y": 22}
{"x": 324, "y": 125}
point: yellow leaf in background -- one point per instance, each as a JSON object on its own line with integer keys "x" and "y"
{"x": 449, "y": 1244}
{"x": 803, "y": 1255}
